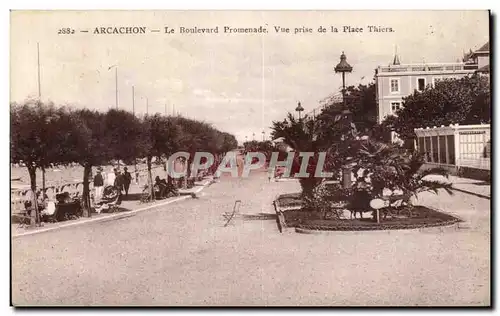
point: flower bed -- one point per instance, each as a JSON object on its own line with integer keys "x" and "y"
{"x": 420, "y": 217}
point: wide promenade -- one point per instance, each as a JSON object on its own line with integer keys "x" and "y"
{"x": 180, "y": 254}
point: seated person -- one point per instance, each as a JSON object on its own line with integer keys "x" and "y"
{"x": 63, "y": 197}
{"x": 41, "y": 203}
{"x": 161, "y": 184}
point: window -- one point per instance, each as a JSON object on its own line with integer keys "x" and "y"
{"x": 394, "y": 85}
{"x": 421, "y": 84}
{"x": 395, "y": 105}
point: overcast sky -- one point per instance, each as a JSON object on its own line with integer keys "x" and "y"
{"x": 238, "y": 82}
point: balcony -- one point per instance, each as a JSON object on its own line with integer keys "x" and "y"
{"x": 441, "y": 67}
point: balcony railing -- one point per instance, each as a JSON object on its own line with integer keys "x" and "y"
{"x": 426, "y": 67}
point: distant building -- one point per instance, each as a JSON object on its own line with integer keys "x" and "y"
{"x": 481, "y": 58}
{"x": 397, "y": 81}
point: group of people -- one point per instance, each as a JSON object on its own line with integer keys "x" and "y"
{"x": 115, "y": 178}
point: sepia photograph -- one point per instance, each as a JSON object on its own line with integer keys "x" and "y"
{"x": 250, "y": 158}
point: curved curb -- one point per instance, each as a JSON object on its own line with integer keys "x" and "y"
{"x": 437, "y": 228}
{"x": 433, "y": 229}
{"x": 108, "y": 217}
{"x": 472, "y": 193}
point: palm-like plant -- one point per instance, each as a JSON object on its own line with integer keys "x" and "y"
{"x": 388, "y": 166}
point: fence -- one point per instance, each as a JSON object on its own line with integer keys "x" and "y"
{"x": 456, "y": 146}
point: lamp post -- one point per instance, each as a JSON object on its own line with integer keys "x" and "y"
{"x": 299, "y": 109}
{"x": 263, "y": 136}
{"x": 346, "y": 116}
{"x": 343, "y": 67}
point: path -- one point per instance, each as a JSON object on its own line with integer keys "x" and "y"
{"x": 182, "y": 255}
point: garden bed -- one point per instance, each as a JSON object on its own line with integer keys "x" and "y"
{"x": 422, "y": 217}
{"x": 290, "y": 200}
{"x": 294, "y": 216}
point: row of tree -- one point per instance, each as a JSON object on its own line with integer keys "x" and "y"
{"x": 44, "y": 135}
{"x": 266, "y": 147}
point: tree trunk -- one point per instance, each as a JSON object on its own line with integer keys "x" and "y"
{"x": 87, "y": 212}
{"x": 308, "y": 185}
{"x": 35, "y": 215}
{"x": 189, "y": 169}
{"x": 43, "y": 183}
{"x": 150, "y": 178}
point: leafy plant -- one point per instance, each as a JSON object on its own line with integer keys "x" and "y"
{"x": 380, "y": 166}
{"x": 450, "y": 101}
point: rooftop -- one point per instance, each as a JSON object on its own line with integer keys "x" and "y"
{"x": 484, "y": 69}
{"x": 423, "y": 67}
{"x": 485, "y": 48}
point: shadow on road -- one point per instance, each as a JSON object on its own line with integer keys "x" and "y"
{"x": 132, "y": 197}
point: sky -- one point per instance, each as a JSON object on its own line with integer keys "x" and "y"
{"x": 239, "y": 83}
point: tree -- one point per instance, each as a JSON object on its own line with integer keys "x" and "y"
{"x": 196, "y": 136}
{"x": 89, "y": 145}
{"x": 126, "y": 135}
{"x": 361, "y": 101}
{"x": 330, "y": 132}
{"x": 380, "y": 166}
{"x": 39, "y": 133}
{"x": 450, "y": 101}
{"x": 265, "y": 147}
{"x": 229, "y": 143}
{"x": 161, "y": 138}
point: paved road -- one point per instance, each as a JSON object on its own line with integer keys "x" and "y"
{"x": 182, "y": 255}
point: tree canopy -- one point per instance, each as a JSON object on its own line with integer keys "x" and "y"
{"x": 44, "y": 134}
{"x": 450, "y": 101}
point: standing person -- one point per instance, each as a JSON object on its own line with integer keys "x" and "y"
{"x": 119, "y": 184}
{"x": 98, "y": 185}
{"x": 136, "y": 176}
{"x": 111, "y": 176}
{"x": 127, "y": 179}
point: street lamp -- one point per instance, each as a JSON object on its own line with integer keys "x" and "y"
{"x": 343, "y": 67}
{"x": 299, "y": 109}
{"x": 346, "y": 115}
{"x": 263, "y": 136}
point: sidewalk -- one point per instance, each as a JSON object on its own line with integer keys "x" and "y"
{"x": 129, "y": 205}
{"x": 470, "y": 186}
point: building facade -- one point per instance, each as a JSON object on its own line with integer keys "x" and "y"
{"x": 481, "y": 58}
{"x": 456, "y": 147}
{"x": 396, "y": 81}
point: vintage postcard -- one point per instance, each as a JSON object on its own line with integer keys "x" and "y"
{"x": 250, "y": 158}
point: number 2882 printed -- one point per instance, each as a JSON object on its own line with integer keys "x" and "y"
{"x": 66, "y": 30}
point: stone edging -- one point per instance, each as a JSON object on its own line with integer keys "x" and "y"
{"x": 107, "y": 217}
{"x": 378, "y": 227}
{"x": 454, "y": 226}
{"x": 455, "y": 222}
